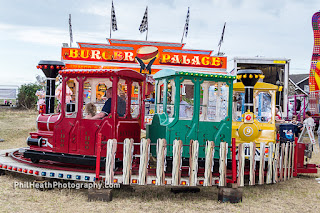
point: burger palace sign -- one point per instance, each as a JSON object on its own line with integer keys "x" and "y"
{"x": 127, "y": 53}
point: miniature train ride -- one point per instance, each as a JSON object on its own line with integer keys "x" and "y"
{"x": 194, "y": 126}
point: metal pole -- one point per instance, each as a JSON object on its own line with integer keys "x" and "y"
{"x": 219, "y": 49}
{"x": 70, "y": 30}
{"x": 295, "y": 106}
{"x": 183, "y": 34}
{"x": 295, "y": 165}
{"x": 147, "y": 33}
{"x": 285, "y": 88}
{"x": 147, "y": 25}
{"x": 304, "y": 108}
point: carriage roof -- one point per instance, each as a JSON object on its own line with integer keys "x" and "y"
{"x": 167, "y": 73}
{"x": 259, "y": 85}
{"x": 104, "y": 73}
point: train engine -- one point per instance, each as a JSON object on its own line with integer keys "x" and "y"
{"x": 67, "y": 134}
{"x": 191, "y": 106}
{"x": 253, "y": 109}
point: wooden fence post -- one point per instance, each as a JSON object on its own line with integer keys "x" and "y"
{"x": 282, "y": 161}
{"x": 127, "y": 160}
{"x": 262, "y": 163}
{"x": 209, "y": 163}
{"x": 252, "y": 164}
{"x": 276, "y": 164}
{"x": 223, "y": 164}
{"x": 193, "y": 162}
{"x": 241, "y": 162}
{"x": 161, "y": 159}
{"x": 270, "y": 162}
{"x": 144, "y": 161}
{"x": 176, "y": 162}
{"x": 110, "y": 160}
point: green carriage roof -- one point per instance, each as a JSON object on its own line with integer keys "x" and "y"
{"x": 165, "y": 73}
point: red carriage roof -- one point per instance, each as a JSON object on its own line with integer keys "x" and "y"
{"x": 103, "y": 73}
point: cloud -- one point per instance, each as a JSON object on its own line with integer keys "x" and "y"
{"x": 41, "y": 35}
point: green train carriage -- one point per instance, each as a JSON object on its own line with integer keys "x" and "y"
{"x": 191, "y": 106}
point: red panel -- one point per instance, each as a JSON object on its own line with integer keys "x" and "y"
{"x": 300, "y": 154}
{"x": 127, "y": 129}
{"x": 107, "y": 131}
{"x": 87, "y": 136}
{"x": 73, "y": 138}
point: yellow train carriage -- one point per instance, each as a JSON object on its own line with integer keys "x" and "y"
{"x": 257, "y": 125}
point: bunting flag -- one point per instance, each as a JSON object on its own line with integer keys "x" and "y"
{"x": 144, "y": 23}
{"x": 186, "y": 26}
{"x": 222, "y": 35}
{"x": 113, "y": 19}
{"x": 70, "y": 30}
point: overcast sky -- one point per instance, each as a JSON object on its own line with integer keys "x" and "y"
{"x": 34, "y": 30}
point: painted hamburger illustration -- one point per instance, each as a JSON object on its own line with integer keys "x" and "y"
{"x": 147, "y": 53}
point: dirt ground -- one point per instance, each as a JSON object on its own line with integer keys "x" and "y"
{"x": 300, "y": 194}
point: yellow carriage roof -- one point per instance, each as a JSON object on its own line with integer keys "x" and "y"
{"x": 259, "y": 85}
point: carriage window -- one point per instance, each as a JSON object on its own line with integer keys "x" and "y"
{"x": 238, "y": 106}
{"x": 214, "y": 101}
{"x": 160, "y": 97}
{"x": 122, "y": 98}
{"x": 100, "y": 93}
{"x": 170, "y": 98}
{"x": 224, "y": 100}
{"x": 135, "y": 100}
{"x": 186, "y": 100}
{"x": 89, "y": 109}
{"x": 87, "y": 92}
{"x": 72, "y": 98}
{"x": 204, "y": 100}
{"x": 263, "y": 106}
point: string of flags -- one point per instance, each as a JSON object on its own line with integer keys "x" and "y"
{"x": 144, "y": 25}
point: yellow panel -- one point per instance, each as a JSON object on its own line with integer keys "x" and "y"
{"x": 316, "y": 76}
{"x": 267, "y": 133}
{"x": 279, "y": 62}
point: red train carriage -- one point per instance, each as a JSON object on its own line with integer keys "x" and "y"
{"x": 68, "y": 136}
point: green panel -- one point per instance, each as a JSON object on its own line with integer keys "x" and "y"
{"x": 214, "y": 131}
{"x": 194, "y": 129}
{"x": 155, "y": 131}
